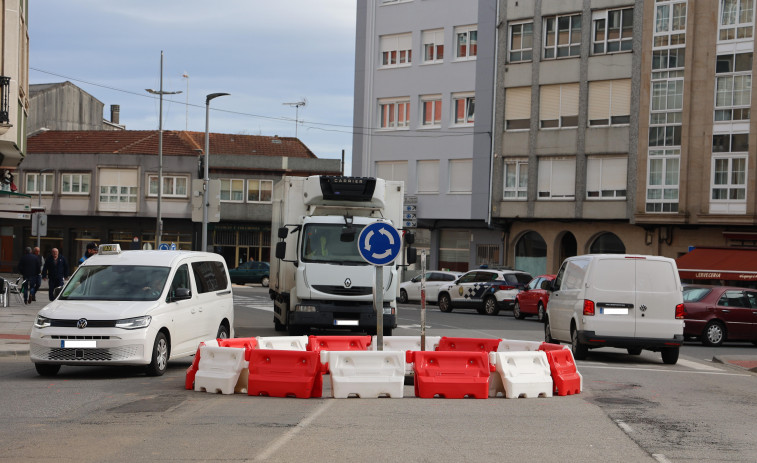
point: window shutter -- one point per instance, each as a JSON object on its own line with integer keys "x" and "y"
{"x": 621, "y": 97}
{"x": 549, "y": 102}
{"x": 563, "y": 177}
{"x": 428, "y": 176}
{"x": 461, "y": 175}
{"x": 614, "y": 173}
{"x": 569, "y": 100}
{"x": 593, "y": 174}
{"x": 518, "y": 103}
{"x": 599, "y": 100}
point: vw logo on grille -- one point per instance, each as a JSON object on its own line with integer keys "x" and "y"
{"x": 643, "y": 308}
{"x": 81, "y": 323}
{"x": 347, "y": 283}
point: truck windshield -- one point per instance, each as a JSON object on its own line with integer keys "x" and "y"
{"x": 322, "y": 243}
{"x": 116, "y": 283}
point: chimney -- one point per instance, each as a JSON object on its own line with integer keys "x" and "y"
{"x": 115, "y": 111}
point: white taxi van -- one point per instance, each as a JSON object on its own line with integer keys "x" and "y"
{"x": 134, "y": 308}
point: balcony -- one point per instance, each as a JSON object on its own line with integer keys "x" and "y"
{"x": 5, "y": 124}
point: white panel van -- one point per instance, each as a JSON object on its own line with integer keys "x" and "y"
{"x": 615, "y": 300}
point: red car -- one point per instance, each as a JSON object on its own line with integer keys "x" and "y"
{"x": 533, "y": 299}
{"x": 720, "y": 313}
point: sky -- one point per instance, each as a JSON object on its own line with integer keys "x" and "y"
{"x": 264, "y": 53}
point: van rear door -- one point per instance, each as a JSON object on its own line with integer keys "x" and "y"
{"x": 658, "y": 291}
{"x": 613, "y": 281}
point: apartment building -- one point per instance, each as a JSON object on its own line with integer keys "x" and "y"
{"x": 423, "y": 109}
{"x": 102, "y": 186}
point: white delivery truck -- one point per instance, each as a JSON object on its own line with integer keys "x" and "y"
{"x": 318, "y": 278}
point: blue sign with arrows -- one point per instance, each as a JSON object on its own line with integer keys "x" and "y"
{"x": 379, "y": 243}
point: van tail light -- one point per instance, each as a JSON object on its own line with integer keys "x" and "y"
{"x": 588, "y": 307}
{"x": 506, "y": 288}
{"x": 680, "y": 311}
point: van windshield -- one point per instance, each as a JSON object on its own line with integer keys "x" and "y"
{"x": 116, "y": 283}
{"x": 322, "y": 243}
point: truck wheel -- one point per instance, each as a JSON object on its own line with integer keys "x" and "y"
{"x": 403, "y": 296}
{"x": 47, "y": 369}
{"x": 713, "y": 334}
{"x": 490, "y": 306}
{"x": 580, "y": 351}
{"x": 445, "y": 304}
{"x": 223, "y": 332}
{"x": 670, "y": 355}
{"x": 516, "y": 311}
{"x": 634, "y": 350}
{"x": 278, "y": 326}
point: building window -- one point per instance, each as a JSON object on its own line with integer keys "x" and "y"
{"x": 516, "y": 179}
{"x": 606, "y": 177}
{"x": 729, "y": 177}
{"x": 396, "y": 50}
{"x": 733, "y": 87}
{"x": 35, "y": 179}
{"x": 431, "y": 111}
{"x": 392, "y": 170}
{"x": 521, "y": 42}
{"x": 433, "y": 46}
{"x": 460, "y": 175}
{"x": 466, "y": 42}
{"x": 670, "y": 23}
{"x": 662, "y": 181}
{"x": 173, "y": 186}
{"x": 613, "y": 31}
{"x": 558, "y": 106}
{"x": 427, "y": 176}
{"x": 118, "y": 190}
{"x": 736, "y": 19}
{"x": 518, "y": 108}
{"x": 232, "y": 190}
{"x": 394, "y": 114}
{"x": 557, "y": 178}
{"x": 609, "y": 102}
{"x": 454, "y": 250}
{"x": 464, "y": 106}
{"x": 259, "y": 191}
{"x": 487, "y": 254}
{"x": 74, "y": 184}
{"x": 666, "y": 112}
{"x": 562, "y": 36}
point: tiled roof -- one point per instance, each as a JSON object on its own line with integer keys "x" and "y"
{"x": 174, "y": 143}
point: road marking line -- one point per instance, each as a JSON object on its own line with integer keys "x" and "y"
{"x": 281, "y": 441}
{"x": 622, "y": 425}
{"x": 660, "y": 457}
{"x": 258, "y": 307}
{"x": 697, "y": 366}
{"x": 660, "y": 370}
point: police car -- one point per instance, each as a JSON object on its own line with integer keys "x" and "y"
{"x": 134, "y": 308}
{"x": 486, "y": 290}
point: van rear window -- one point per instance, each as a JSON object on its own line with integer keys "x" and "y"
{"x": 209, "y": 276}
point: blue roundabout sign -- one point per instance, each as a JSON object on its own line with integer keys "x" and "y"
{"x": 379, "y": 243}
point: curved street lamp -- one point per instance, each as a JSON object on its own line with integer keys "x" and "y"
{"x": 206, "y": 180}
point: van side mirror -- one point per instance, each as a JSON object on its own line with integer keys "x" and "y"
{"x": 281, "y": 249}
{"x": 412, "y": 255}
{"x": 181, "y": 294}
{"x": 57, "y": 291}
{"x": 283, "y": 232}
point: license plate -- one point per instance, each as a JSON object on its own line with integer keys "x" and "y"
{"x": 79, "y": 344}
{"x": 345, "y": 322}
{"x": 613, "y": 311}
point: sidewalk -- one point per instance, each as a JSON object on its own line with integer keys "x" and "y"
{"x": 17, "y": 319}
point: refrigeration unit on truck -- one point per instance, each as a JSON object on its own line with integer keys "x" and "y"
{"x": 318, "y": 278}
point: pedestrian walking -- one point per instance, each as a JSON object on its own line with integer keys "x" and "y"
{"x": 38, "y": 280}
{"x": 55, "y": 271}
{"x": 91, "y": 251}
{"x": 29, "y": 268}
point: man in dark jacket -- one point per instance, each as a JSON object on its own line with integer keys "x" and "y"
{"x": 56, "y": 270}
{"x": 29, "y": 268}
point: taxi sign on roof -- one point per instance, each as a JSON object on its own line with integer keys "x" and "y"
{"x": 109, "y": 249}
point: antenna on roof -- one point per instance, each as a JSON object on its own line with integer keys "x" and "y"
{"x": 303, "y": 102}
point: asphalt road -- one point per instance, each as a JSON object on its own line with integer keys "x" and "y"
{"x": 632, "y": 409}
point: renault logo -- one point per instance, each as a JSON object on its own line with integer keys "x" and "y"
{"x": 81, "y": 323}
{"x": 347, "y": 283}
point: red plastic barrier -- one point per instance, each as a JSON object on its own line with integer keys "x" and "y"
{"x": 548, "y": 346}
{"x": 285, "y": 373}
{"x": 189, "y": 379}
{"x": 565, "y": 377}
{"x": 341, "y": 343}
{"x": 247, "y": 343}
{"x": 468, "y": 344}
{"x": 449, "y": 374}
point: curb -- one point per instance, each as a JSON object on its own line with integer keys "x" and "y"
{"x": 745, "y": 362}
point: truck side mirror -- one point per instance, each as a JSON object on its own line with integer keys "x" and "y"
{"x": 412, "y": 255}
{"x": 283, "y": 232}
{"x": 281, "y": 249}
{"x": 409, "y": 238}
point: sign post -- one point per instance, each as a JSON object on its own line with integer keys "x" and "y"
{"x": 379, "y": 244}
{"x": 423, "y": 300}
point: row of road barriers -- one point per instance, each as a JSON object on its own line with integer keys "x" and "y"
{"x": 293, "y": 366}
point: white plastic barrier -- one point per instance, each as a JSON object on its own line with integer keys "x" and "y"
{"x": 523, "y": 374}
{"x": 406, "y": 343}
{"x": 509, "y": 345}
{"x": 366, "y": 374}
{"x": 283, "y": 342}
{"x": 219, "y": 369}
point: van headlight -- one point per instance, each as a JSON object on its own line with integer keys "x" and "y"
{"x": 134, "y": 323}
{"x": 42, "y": 322}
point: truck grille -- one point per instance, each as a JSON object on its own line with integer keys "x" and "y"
{"x": 342, "y": 291}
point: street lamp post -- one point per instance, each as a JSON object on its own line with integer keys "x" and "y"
{"x": 159, "y": 219}
{"x": 206, "y": 180}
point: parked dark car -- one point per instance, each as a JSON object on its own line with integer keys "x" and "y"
{"x": 251, "y": 272}
{"x": 533, "y": 299}
{"x": 715, "y": 314}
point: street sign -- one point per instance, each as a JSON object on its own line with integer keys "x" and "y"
{"x": 173, "y": 246}
{"x": 163, "y": 247}
{"x": 411, "y": 208}
{"x": 379, "y": 243}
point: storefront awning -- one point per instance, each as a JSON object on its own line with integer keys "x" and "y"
{"x": 718, "y": 264}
